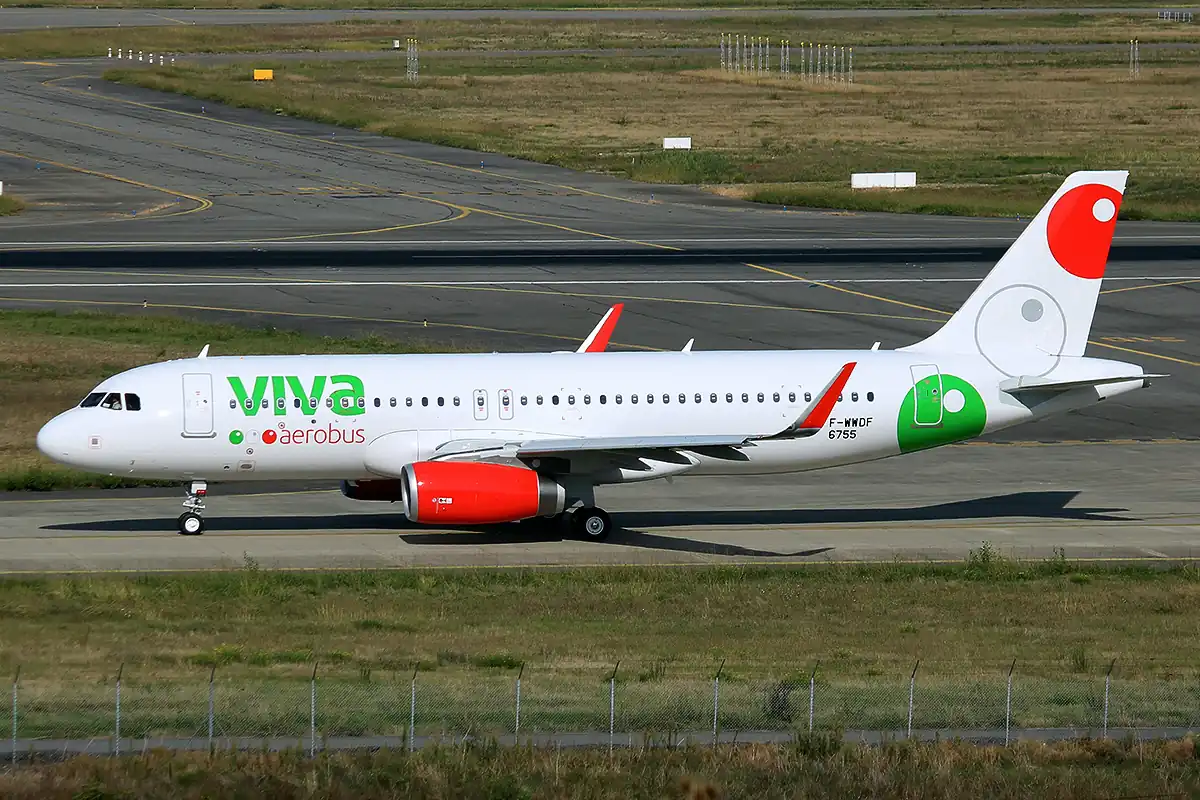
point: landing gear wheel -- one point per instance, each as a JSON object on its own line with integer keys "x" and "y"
{"x": 591, "y": 523}
{"x": 191, "y": 524}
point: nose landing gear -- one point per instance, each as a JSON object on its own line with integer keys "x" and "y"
{"x": 190, "y": 521}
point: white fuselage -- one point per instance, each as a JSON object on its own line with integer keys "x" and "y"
{"x": 249, "y": 418}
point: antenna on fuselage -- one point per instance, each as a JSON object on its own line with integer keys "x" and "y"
{"x": 687, "y": 348}
{"x": 875, "y": 347}
{"x": 203, "y": 353}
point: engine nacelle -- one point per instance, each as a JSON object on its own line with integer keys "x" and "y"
{"x": 474, "y": 493}
{"x": 381, "y": 490}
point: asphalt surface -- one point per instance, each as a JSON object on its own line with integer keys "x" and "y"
{"x": 17, "y": 19}
{"x": 164, "y": 205}
{"x": 1110, "y": 502}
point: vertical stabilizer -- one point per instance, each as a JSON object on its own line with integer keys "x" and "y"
{"x": 1037, "y": 303}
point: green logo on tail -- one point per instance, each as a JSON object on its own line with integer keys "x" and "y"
{"x": 939, "y": 410}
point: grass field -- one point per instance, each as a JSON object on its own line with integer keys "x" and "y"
{"x": 464, "y": 636}
{"x": 987, "y": 133}
{"x": 553, "y": 4}
{"x": 48, "y": 362}
{"x": 10, "y": 205}
{"x": 1055, "y": 618}
{"x": 506, "y": 34}
{"x": 812, "y": 768}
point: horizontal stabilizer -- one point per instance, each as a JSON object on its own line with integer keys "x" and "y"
{"x": 1026, "y": 383}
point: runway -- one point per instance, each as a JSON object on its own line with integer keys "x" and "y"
{"x": 1025, "y": 502}
{"x": 165, "y": 205}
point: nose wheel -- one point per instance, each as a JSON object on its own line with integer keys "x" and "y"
{"x": 190, "y": 521}
{"x": 591, "y": 523}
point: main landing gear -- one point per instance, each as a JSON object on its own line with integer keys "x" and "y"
{"x": 190, "y": 521}
{"x": 589, "y": 523}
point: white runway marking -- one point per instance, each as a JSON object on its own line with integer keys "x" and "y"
{"x": 330, "y": 282}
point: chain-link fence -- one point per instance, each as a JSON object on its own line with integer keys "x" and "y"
{"x": 619, "y": 709}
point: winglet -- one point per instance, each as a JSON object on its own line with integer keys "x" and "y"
{"x": 819, "y": 411}
{"x": 597, "y": 340}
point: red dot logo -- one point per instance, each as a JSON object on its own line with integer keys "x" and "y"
{"x": 269, "y": 436}
{"x": 1080, "y": 229}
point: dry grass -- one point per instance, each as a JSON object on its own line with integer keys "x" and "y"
{"x": 48, "y": 362}
{"x": 986, "y": 133}
{"x": 868, "y": 623}
{"x": 501, "y": 34}
{"x": 10, "y": 205}
{"x": 810, "y": 768}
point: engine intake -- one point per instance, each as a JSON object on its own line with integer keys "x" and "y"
{"x": 473, "y": 493}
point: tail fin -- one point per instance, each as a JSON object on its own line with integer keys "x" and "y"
{"x": 1037, "y": 303}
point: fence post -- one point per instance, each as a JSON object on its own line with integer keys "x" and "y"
{"x": 1107, "y": 683}
{"x": 717, "y": 699}
{"x": 612, "y": 705}
{"x": 16, "y": 681}
{"x": 120, "y": 671}
{"x": 312, "y": 718}
{"x": 517, "y": 730}
{"x": 1008, "y": 702}
{"x": 412, "y": 712}
{"x": 812, "y": 695}
{"x": 212, "y": 697}
{"x": 912, "y": 685}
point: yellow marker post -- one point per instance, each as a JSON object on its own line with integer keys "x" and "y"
{"x": 264, "y": 74}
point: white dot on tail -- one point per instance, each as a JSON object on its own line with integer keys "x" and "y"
{"x": 954, "y": 401}
{"x": 1103, "y": 210}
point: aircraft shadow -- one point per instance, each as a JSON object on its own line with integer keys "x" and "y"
{"x": 1052, "y": 505}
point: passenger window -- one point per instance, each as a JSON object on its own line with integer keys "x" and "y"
{"x": 132, "y": 402}
{"x": 280, "y": 403}
{"x": 408, "y": 402}
{"x": 682, "y": 397}
{"x": 93, "y": 400}
{"x": 232, "y": 403}
{"x": 424, "y": 401}
{"x": 392, "y": 402}
{"x": 603, "y": 399}
{"x": 729, "y": 397}
{"x": 839, "y": 398}
{"x": 775, "y": 397}
{"x": 554, "y": 399}
{"x": 539, "y": 399}
{"x": 570, "y": 399}
{"x": 854, "y": 397}
{"x": 329, "y": 402}
{"x": 524, "y": 400}
{"x": 745, "y": 397}
{"x": 649, "y": 398}
{"x": 362, "y": 402}
{"x": 442, "y": 401}
{"x": 112, "y": 401}
{"x": 712, "y": 398}
{"x": 870, "y": 397}
{"x": 760, "y": 397}
{"x": 249, "y": 404}
{"x": 345, "y": 402}
{"x": 699, "y": 398}
{"x": 296, "y": 403}
{"x": 666, "y": 397}
{"x": 587, "y": 399}
{"x": 618, "y": 399}
{"x": 505, "y": 400}
{"x": 456, "y": 401}
{"x": 808, "y": 397}
{"x": 791, "y": 397}
{"x": 266, "y": 403}
{"x": 633, "y": 398}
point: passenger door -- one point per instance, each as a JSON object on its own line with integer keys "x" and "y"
{"x": 197, "y": 405}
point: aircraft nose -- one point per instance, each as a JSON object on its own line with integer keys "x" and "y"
{"x": 57, "y": 439}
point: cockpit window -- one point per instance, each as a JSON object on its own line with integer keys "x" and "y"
{"x": 92, "y": 400}
{"x": 132, "y": 402}
{"x": 112, "y": 400}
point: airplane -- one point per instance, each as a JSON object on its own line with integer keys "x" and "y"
{"x": 481, "y": 439}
